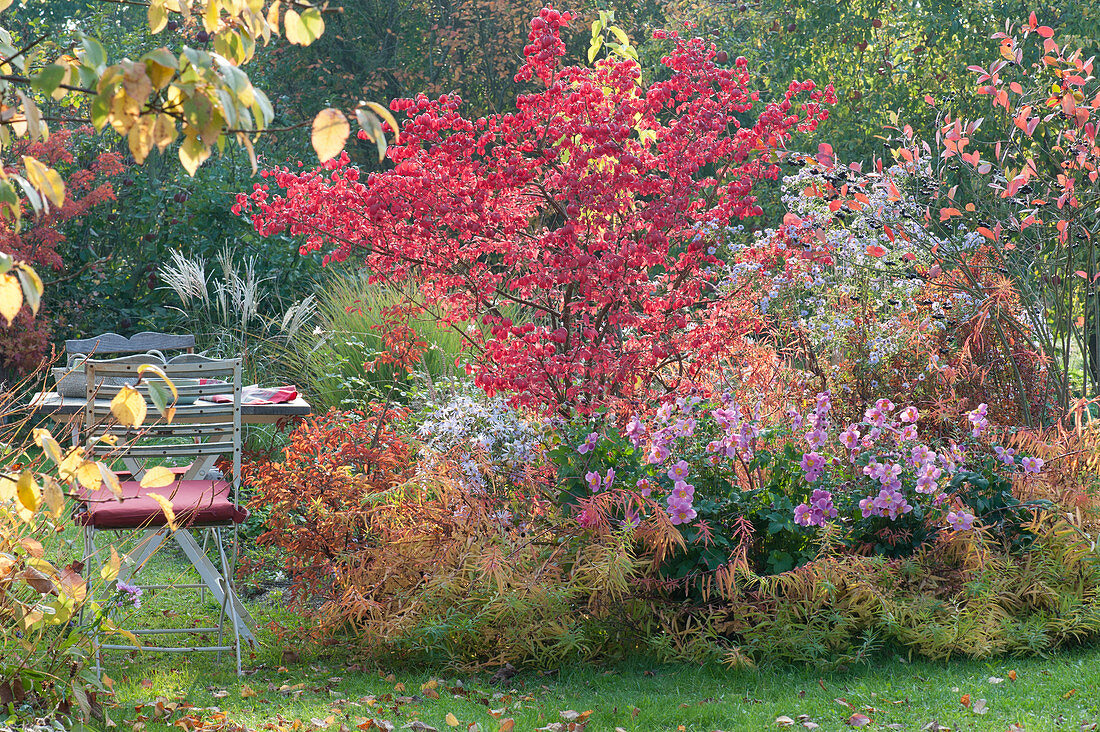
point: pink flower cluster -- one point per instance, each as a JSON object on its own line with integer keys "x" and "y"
{"x": 817, "y": 511}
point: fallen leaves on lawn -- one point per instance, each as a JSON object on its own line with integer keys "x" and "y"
{"x": 858, "y": 720}
{"x": 979, "y": 707}
{"x": 1012, "y": 675}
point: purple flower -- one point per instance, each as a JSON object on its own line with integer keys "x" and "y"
{"x": 684, "y": 427}
{"x": 644, "y": 487}
{"x": 1008, "y": 457}
{"x": 1032, "y": 464}
{"x": 657, "y": 454}
{"x": 875, "y": 416}
{"x": 868, "y": 507}
{"x": 802, "y": 515}
{"x": 960, "y": 521}
{"x": 891, "y": 503}
{"x": 129, "y": 594}
{"x": 589, "y": 443}
{"x": 977, "y": 419}
{"x": 909, "y": 414}
{"x": 817, "y": 511}
{"x": 885, "y": 405}
{"x": 682, "y": 492}
{"x": 593, "y": 479}
{"x": 929, "y": 474}
{"x": 922, "y": 455}
{"x": 681, "y": 514}
{"x": 678, "y": 471}
{"x": 635, "y": 430}
{"x": 816, "y": 437}
{"x": 813, "y": 465}
{"x": 609, "y": 479}
{"x": 850, "y": 437}
{"x": 908, "y": 433}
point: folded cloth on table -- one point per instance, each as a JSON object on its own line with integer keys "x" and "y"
{"x": 254, "y": 394}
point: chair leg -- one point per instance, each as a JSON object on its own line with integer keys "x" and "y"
{"x": 230, "y": 596}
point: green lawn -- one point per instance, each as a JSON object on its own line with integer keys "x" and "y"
{"x": 326, "y": 690}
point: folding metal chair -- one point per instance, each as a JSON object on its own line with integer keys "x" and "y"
{"x": 201, "y": 431}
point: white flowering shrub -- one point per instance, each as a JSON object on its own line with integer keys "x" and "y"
{"x": 480, "y": 435}
{"x": 852, "y": 282}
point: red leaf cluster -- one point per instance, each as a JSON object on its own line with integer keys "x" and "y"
{"x": 580, "y": 229}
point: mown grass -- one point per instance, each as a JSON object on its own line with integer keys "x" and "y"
{"x": 326, "y": 688}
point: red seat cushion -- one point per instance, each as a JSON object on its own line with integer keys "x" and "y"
{"x": 195, "y": 503}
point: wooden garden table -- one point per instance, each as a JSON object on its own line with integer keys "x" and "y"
{"x": 53, "y": 406}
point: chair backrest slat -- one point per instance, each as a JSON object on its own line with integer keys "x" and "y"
{"x": 197, "y": 430}
{"x": 139, "y": 343}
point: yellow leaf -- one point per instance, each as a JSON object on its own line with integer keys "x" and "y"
{"x": 111, "y": 480}
{"x": 89, "y": 477}
{"x": 330, "y": 132}
{"x": 303, "y": 29}
{"x": 28, "y": 491}
{"x": 5, "y": 3}
{"x": 11, "y": 297}
{"x": 247, "y": 692}
{"x": 166, "y": 506}
{"x": 157, "y": 477}
{"x": 210, "y": 19}
{"x": 46, "y": 180}
{"x": 158, "y": 16}
{"x": 273, "y": 16}
{"x": 73, "y": 460}
{"x": 32, "y": 286}
{"x": 451, "y": 720}
{"x": 164, "y": 131}
{"x": 109, "y": 571}
{"x": 140, "y": 138}
{"x": 7, "y": 489}
{"x": 193, "y": 153}
{"x": 388, "y": 117}
{"x": 128, "y": 406}
{"x": 54, "y": 497}
{"x": 159, "y": 372}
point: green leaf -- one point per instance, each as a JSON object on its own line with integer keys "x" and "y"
{"x": 620, "y": 34}
{"x": 162, "y": 56}
{"x": 597, "y": 43}
{"x": 49, "y": 78}
{"x": 94, "y": 54}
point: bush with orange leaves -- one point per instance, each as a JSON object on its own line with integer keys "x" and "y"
{"x": 413, "y": 564}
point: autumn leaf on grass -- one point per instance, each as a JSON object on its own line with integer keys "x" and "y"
{"x": 247, "y": 692}
{"x": 859, "y": 720}
{"x": 451, "y": 720}
{"x": 979, "y": 707}
{"x": 784, "y": 721}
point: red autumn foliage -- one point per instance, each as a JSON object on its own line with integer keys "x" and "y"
{"x": 314, "y": 499}
{"x": 577, "y": 229}
{"x": 39, "y": 240}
